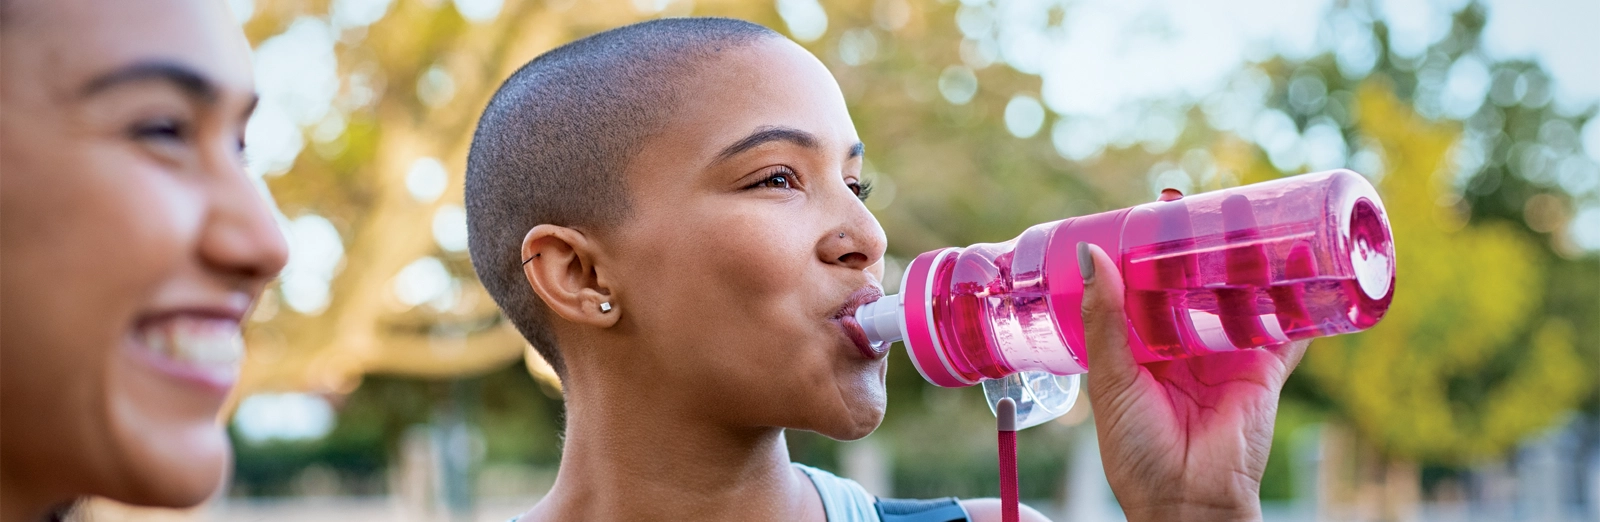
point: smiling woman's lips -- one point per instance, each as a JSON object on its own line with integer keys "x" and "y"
{"x": 203, "y": 350}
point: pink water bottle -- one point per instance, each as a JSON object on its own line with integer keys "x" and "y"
{"x": 1294, "y": 258}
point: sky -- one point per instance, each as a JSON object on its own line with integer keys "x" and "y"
{"x": 1564, "y": 35}
{"x": 1112, "y": 52}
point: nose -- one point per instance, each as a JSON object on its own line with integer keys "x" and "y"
{"x": 857, "y": 241}
{"x": 240, "y": 240}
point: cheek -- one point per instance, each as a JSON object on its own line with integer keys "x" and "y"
{"x": 761, "y": 265}
{"x": 725, "y": 298}
{"x": 96, "y": 234}
{"x": 88, "y": 238}
{"x": 733, "y": 272}
{"x": 737, "y": 304}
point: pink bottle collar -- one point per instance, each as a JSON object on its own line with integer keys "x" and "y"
{"x": 921, "y": 338}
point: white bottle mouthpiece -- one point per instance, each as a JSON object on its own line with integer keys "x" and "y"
{"x": 881, "y": 319}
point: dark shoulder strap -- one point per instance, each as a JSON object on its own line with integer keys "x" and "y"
{"x": 946, "y": 509}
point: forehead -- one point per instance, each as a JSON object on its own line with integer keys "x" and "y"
{"x": 774, "y": 82}
{"x": 73, "y": 41}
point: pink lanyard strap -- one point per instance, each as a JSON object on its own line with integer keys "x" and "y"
{"x": 1006, "y": 420}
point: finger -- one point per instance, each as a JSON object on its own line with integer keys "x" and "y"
{"x": 1112, "y": 368}
{"x": 1290, "y": 354}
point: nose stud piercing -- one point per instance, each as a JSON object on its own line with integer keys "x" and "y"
{"x": 605, "y": 307}
{"x": 841, "y": 235}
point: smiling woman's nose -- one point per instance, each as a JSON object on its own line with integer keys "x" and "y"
{"x": 240, "y": 238}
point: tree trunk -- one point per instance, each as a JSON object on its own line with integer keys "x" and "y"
{"x": 1357, "y": 482}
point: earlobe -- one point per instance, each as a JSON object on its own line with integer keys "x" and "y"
{"x": 561, "y": 267}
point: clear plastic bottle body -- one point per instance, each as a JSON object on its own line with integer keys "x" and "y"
{"x": 1292, "y": 259}
{"x": 1251, "y": 266}
{"x": 993, "y": 305}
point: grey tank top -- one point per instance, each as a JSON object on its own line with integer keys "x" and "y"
{"x": 843, "y": 500}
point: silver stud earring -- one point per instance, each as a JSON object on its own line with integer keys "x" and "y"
{"x": 605, "y": 307}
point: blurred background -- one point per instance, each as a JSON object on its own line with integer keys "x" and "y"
{"x": 383, "y": 384}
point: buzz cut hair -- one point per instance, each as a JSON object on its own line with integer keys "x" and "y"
{"x": 554, "y": 144}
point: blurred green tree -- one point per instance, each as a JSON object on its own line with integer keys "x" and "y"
{"x": 1492, "y": 335}
{"x": 1464, "y": 365}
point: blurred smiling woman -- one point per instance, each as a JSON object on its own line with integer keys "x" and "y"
{"x": 134, "y": 244}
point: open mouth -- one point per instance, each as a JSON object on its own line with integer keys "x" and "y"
{"x": 201, "y": 349}
{"x": 846, "y": 317}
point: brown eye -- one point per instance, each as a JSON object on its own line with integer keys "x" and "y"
{"x": 160, "y": 129}
{"x": 777, "y": 181}
{"x": 781, "y": 178}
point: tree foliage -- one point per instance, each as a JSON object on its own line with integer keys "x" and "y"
{"x": 1465, "y": 364}
{"x": 1492, "y": 334}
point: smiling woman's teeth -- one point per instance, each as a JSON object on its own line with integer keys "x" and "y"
{"x": 213, "y": 345}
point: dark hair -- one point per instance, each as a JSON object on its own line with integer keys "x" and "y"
{"x": 555, "y": 141}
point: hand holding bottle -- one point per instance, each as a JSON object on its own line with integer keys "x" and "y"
{"x": 1184, "y": 439}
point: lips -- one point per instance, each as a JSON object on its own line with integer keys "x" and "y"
{"x": 198, "y": 348}
{"x": 846, "y": 317}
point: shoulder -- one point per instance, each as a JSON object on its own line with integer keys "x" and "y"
{"x": 988, "y": 510}
{"x": 843, "y": 500}
{"x": 841, "y": 495}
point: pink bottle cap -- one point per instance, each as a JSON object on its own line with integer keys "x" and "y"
{"x": 921, "y": 337}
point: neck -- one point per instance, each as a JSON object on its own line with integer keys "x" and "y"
{"x": 627, "y": 460}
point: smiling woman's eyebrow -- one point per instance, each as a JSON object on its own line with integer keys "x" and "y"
{"x": 857, "y": 150}
{"x": 190, "y": 81}
{"x": 769, "y": 134}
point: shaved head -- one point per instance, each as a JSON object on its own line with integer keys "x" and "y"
{"x": 554, "y": 144}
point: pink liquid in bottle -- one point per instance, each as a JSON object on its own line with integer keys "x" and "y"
{"x": 1294, "y": 258}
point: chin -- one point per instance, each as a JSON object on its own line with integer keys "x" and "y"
{"x": 864, "y": 409}
{"x": 855, "y": 432}
{"x": 191, "y": 456}
{"x": 185, "y": 481}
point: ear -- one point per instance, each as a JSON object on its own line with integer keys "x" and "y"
{"x": 559, "y": 263}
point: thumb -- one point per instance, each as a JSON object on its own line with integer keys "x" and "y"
{"x": 1112, "y": 368}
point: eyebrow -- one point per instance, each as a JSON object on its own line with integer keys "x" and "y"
{"x": 185, "y": 79}
{"x": 765, "y": 135}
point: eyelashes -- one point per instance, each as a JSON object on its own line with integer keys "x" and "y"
{"x": 784, "y": 178}
{"x": 779, "y": 177}
{"x": 160, "y": 129}
{"x": 863, "y": 189}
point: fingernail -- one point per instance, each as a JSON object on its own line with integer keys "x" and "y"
{"x": 1085, "y": 262}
